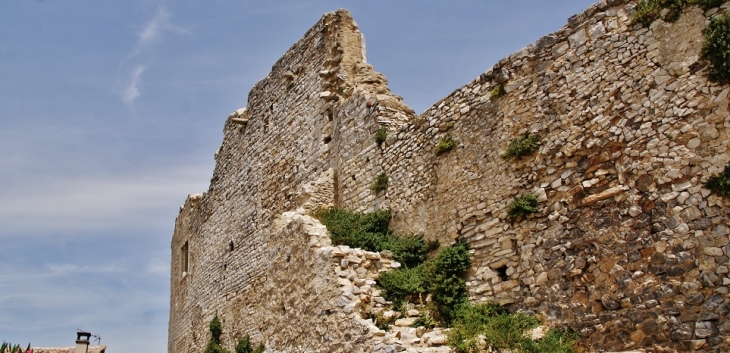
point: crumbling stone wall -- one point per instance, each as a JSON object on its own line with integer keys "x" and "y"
{"x": 627, "y": 245}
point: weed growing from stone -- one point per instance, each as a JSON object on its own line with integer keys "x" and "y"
{"x": 497, "y": 92}
{"x": 381, "y": 135}
{"x": 380, "y": 183}
{"x": 649, "y": 10}
{"x": 716, "y": 48}
{"x": 522, "y": 146}
{"x": 380, "y": 321}
{"x": 521, "y": 207}
{"x": 720, "y": 185}
{"x": 447, "y": 143}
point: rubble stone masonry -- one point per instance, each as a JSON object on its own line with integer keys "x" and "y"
{"x": 627, "y": 246}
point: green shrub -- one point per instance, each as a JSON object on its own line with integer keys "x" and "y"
{"x": 483, "y": 327}
{"x": 244, "y": 346}
{"x": 381, "y": 135}
{"x": 216, "y": 328}
{"x": 522, "y": 146}
{"x": 425, "y": 319}
{"x": 453, "y": 260}
{"x": 380, "y": 321}
{"x": 521, "y": 207}
{"x": 720, "y": 184}
{"x": 447, "y": 288}
{"x": 716, "y": 48}
{"x": 447, "y": 143}
{"x": 409, "y": 250}
{"x": 497, "y": 92}
{"x": 649, "y": 10}
{"x": 401, "y": 284}
{"x": 380, "y": 183}
{"x": 369, "y": 231}
{"x": 555, "y": 341}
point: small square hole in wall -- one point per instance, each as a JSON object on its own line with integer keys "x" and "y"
{"x": 502, "y": 273}
{"x": 184, "y": 255}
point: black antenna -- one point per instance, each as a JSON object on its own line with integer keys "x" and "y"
{"x": 96, "y": 337}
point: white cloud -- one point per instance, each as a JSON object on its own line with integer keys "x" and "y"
{"x": 138, "y": 60}
{"x": 132, "y": 90}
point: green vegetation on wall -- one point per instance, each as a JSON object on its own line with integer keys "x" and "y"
{"x": 521, "y": 206}
{"x": 381, "y": 135}
{"x": 497, "y": 92}
{"x": 720, "y": 185}
{"x": 216, "y": 329}
{"x": 380, "y": 183}
{"x": 489, "y": 327}
{"x": 369, "y": 231}
{"x": 649, "y": 10}
{"x": 244, "y": 346}
{"x": 447, "y": 143}
{"x": 716, "y": 48}
{"x": 522, "y": 146}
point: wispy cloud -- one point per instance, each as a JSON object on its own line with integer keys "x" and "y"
{"x": 135, "y": 64}
{"x": 131, "y": 92}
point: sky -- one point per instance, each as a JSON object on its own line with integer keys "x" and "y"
{"x": 111, "y": 111}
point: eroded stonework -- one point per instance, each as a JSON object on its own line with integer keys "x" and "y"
{"x": 628, "y": 247}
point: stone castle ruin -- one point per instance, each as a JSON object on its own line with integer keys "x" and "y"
{"x": 628, "y": 246}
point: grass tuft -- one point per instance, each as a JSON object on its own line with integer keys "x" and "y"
{"x": 522, "y": 146}
{"x": 381, "y": 183}
{"x": 521, "y": 207}
{"x": 381, "y": 135}
{"x": 447, "y": 143}
{"x": 720, "y": 185}
{"x": 497, "y": 92}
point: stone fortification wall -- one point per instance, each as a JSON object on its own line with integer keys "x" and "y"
{"x": 232, "y": 257}
{"x": 627, "y": 245}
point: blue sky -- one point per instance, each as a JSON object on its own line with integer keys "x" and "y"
{"x": 110, "y": 112}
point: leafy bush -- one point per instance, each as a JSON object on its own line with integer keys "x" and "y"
{"x": 717, "y": 48}
{"x": 447, "y": 288}
{"x": 380, "y": 183}
{"x": 489, "y": 327}
{"x": 369, "y": 231}
{"x": 244, "y": 346}
{"x": 447, "y": 143}
{"x": 720, "y": 184}
{"x": 522, "y": 146}
{"x": 521, "y": 207}
{"x": 453, "y": 260}
{"x": 409, "y": 250}
{"x": 555, "y": 341}
{"x": 497, "y": 92}
{"x": 381, "y": 135}
{"x": 401, "y": 284}
{"x": 216, "y": 328}
{"x": 649, "y": 10}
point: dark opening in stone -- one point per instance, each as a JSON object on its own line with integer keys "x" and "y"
{"x": 502, "y": 273}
